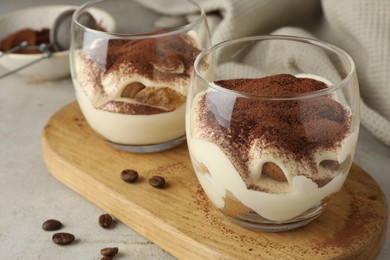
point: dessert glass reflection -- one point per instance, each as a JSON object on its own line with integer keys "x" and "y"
{"x": 272, "y": 124}
{"x": 131, "y": 83}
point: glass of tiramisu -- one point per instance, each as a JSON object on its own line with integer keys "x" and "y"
{"x": 272, "y": 124}
{"x": 131, "y": 83}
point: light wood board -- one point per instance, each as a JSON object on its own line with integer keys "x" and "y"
{"x": 179, "y": 218}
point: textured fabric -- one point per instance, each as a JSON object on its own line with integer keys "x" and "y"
{"x": 360, "y": 27}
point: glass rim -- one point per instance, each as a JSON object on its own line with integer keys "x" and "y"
{"x": 128, "y": 36}
{"x": 297, "y": 96}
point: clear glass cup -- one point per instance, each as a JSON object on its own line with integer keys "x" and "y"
{"x": 131, "y": 71}
{"x": 272, "y": 124}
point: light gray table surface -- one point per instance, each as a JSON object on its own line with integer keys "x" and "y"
{"x": 29, "y": 194}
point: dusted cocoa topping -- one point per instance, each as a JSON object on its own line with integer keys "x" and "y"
{"x": 155, "y": 58}
{"x": 280, "y": 85}
{"x": 33, "y": 37}
{"x": 296, "y": 128}
{"x": 142, "y": 77}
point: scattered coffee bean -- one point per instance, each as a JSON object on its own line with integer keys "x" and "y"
{"x": 51, "y": 224}
{"x": 63, "y": 238}
{"x": 105, "y": 221}
{"x": 129, "y": 175}
{"x": 157, "y": 181}
{"x": 106, "y": 258}
{"x": 109, "y": 251}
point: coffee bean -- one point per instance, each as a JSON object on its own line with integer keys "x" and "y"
{"x": 109, "y": 251}
{"x": 51, "y": 224}
{"x": 63, "y": 238}
{"x": 105, "y": 221}
{"x": 106, "y": 258}
{"x": 157, "y": 181}
{"x": 129, "y": 175}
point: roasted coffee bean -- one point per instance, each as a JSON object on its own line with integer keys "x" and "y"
{"x": 157, "y": 181}
{"x": 109, "y": 251}
{"x": 129, "y": 175}
{"x": 106, "y": 258}
{"x": 51, "y": 224}
{"x": 105, "y": 221}
{"x": 63, "y": 238}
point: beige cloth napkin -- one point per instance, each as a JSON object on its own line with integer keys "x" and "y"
{"x": 360, "y": 27}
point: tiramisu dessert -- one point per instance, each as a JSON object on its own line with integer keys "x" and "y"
{"x": 134, "y": 91}
{"x": 273, "y": 158}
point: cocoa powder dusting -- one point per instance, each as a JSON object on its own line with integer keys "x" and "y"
{"x": 355, "y": 225}
{"x": 33, "y": 37}
{"x": 166, "y": 60}
{"x": 297, "y": 128}
{"x": 153, "y": 58}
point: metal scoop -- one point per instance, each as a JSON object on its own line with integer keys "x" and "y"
{"x": 59, "y": 38}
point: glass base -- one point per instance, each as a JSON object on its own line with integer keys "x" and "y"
{"x": 255, "y": 222}
{"x": 150, "y": 148}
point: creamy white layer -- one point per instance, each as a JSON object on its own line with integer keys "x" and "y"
{"x": 292, "y": 199}
{"x": 133, "y": 129}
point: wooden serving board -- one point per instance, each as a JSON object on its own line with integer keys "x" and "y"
{"x": 179, "y": 218}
